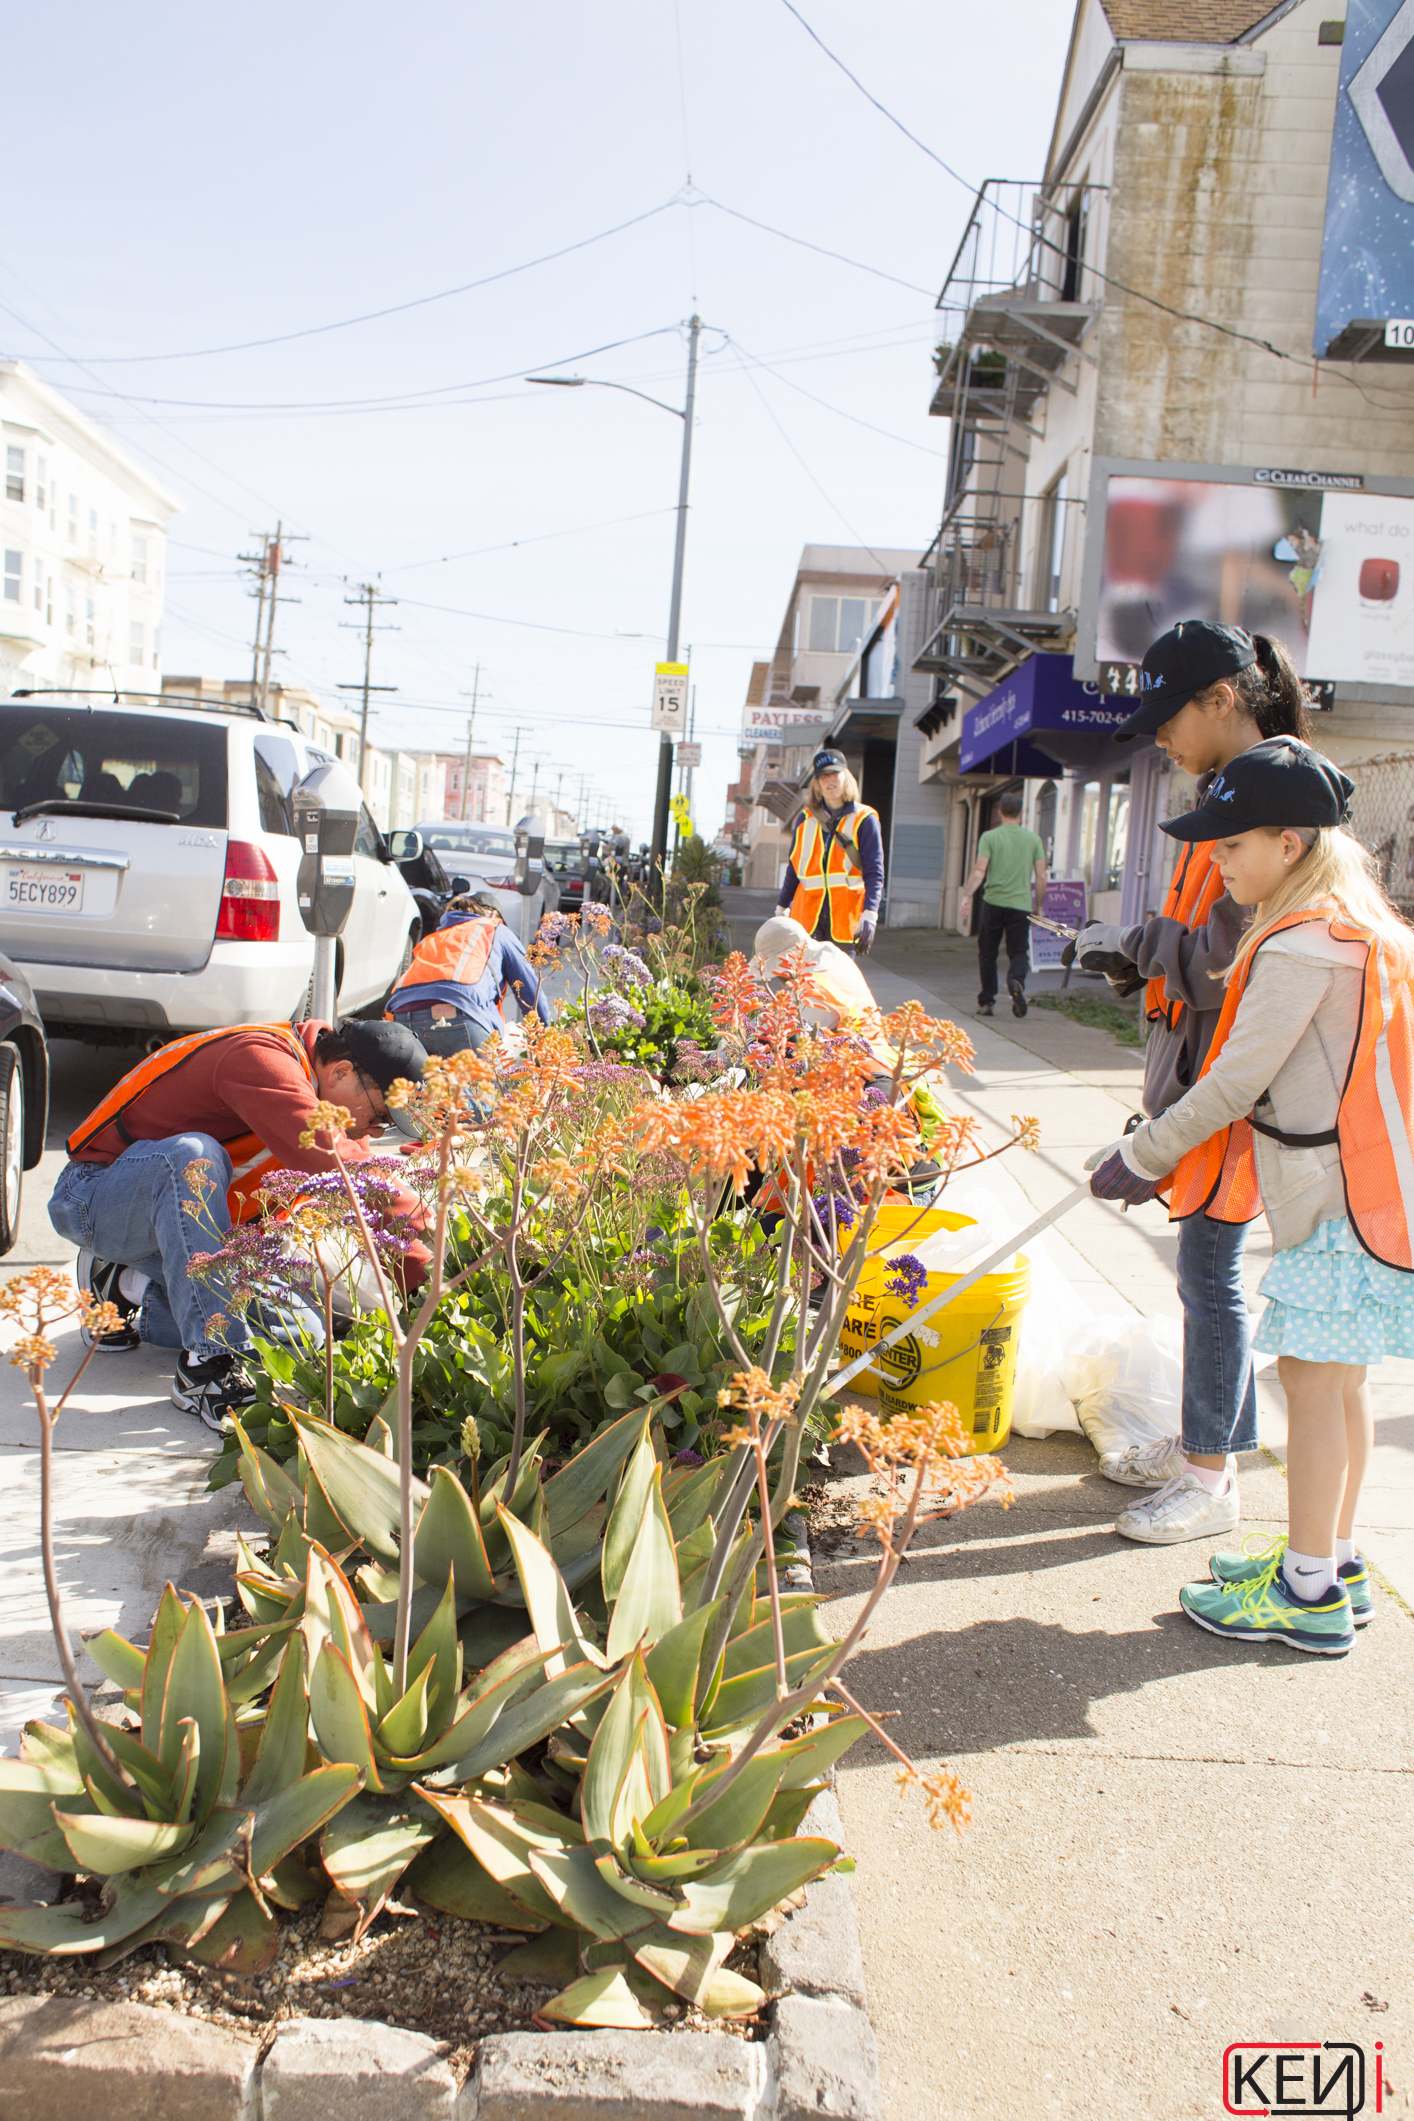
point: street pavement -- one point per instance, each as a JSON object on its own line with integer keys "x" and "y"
{"x": 1177, "y": 1842}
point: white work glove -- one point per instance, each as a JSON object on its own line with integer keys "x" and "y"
{"x": 864, "y": 933}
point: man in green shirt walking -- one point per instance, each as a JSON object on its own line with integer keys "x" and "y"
{"x": 1010, "y": 868}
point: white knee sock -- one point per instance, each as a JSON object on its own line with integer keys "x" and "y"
{"x": 132, "y": 1283}
{"x": 1308, "y": 1575}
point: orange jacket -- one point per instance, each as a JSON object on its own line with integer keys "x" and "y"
{"x": 451, "y": 956}
{"x": 251, "y": 1159}
{"x": 841, "y": 876}
{"x": 1194, "y": 889}
{"x": 1219, "y": 1177}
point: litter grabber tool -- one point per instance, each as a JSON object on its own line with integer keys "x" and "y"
{"x": 960, "y": 1287}
{"x": 1039, "y": 920}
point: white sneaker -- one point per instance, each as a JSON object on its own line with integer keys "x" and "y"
{"x": 1145, "y": 1465}
{"x": 1184, "y": 1509}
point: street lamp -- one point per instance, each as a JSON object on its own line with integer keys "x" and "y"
{"x": 665, "y": 748}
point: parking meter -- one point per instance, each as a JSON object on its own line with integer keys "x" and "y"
{"x": 530, "y": 863}
{"x": 326, "y": 821}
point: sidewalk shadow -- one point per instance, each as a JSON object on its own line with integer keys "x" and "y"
{"x": 1039, "y": 1680}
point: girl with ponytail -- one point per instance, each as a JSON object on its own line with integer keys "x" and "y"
{"x": 1209, "y": 693}
{"x": 1303, "y": 1110}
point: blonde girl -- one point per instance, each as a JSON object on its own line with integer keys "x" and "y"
{"x": 1303, "y": 1107}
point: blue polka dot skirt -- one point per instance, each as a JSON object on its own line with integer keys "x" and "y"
{"x": 1328, "y": 1301}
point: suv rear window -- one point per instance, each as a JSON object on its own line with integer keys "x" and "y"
{"x": 471, "y": 839}
{"x": 153, "y": 762}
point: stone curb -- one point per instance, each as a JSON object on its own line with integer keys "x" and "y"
{"x": 67, "y": 2060}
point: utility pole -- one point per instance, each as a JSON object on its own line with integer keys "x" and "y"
{"x": 559, "y": 784}
{"x": 371, "y": 597}
{"x": 515, "y": 760}
{"x": 470, "y": 731}
{"x": 665, "y": 747}
{"x": 535, "y": 778}
{"x": 267, "y": 562}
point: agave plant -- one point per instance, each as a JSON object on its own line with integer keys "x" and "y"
{"x": 195, "y": 1835}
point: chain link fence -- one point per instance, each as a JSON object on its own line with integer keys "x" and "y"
{"x": 1382, "y": 819}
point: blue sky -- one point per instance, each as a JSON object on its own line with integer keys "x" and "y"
{"x": 200, "y": 177}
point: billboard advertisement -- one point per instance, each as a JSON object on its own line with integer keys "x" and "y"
{"x": 1367, "y": 251}
{"x": 1318, "y": 560}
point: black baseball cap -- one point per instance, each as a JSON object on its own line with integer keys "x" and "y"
{"x": 824, "y": 760}
{"x": 1187, "y": 659}
{"x": 1278, "y": 783}
{"x": 383, "y": 1052}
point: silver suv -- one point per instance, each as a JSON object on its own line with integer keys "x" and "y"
{"x": 148, "y": 865}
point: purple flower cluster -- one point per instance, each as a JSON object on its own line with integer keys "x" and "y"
{"x": 613, "y": 1014}
{"x": 693, "y": 1065}
{"x": 906, "y": 1277}
{"x": 846, "y": 1211}
{"x": 688, "y": 1458}
{"x": 626, "y": 965}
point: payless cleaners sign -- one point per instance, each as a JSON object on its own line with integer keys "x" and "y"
{"x": 1303, "y": 2077}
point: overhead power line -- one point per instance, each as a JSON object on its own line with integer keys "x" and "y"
{"x": 396, "y": 309}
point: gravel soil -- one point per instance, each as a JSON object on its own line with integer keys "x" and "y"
{"x": 432, "y": 1973}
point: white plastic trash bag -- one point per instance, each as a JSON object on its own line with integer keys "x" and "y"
{"x": 1124, "y": 1377}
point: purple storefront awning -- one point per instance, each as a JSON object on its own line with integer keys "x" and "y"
{"x": 1066, "y": 720}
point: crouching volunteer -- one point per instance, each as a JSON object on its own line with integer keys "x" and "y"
{"x": 1303, "y": 1107}
{"x": 834, "y": 880}
{"x": 452, "y": 993}
{"x": 235, "y": 1102}
{"x": 1210, "y": 694}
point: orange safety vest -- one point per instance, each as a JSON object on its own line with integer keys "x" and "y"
{"x": 457, "y": 956}
{"x": 840, "y": 875}
{"x": 1194, "y": 890}
{"x": 252, "y": 1162}
{"x": 1372, "y": 1127}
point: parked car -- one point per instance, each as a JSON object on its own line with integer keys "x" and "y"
{"x": 565, "y": 861}
{"x": 487, "y": 856}
{"x": 148, "y": 869}
{"x": 426, "y": 878}
{"x": 24, "y": 1094}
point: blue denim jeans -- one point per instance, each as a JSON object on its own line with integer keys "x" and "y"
{"x": 1219, "y": 1393}
{"x": 144, "y": 1211}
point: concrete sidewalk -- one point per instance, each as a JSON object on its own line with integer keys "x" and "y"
{"x": 1178, "y": 1843}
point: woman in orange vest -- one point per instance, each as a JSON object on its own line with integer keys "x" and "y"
{"x": 1209, "y": 693}
{"x": 1303, "y": 1108}
{"x": 834, "y": 880}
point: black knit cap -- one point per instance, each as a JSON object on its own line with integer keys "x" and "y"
{"x": 383, "y": 1052}
{"x": 1280, "y": 783}
{"x": 1188, "y": 658}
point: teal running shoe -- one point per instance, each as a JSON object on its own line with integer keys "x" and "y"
{"x": 1262, "y": 1608}
{"x": 1240, "y": 1568}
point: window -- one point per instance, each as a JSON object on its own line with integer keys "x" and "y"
{"x": 139, "y": 559}
{"x": 152, "y": 762}
{"x": 73, "y": 519}
{"x": 68, "y": 607}
{"x": 839, "y": 625}
{"x": 135, "y": 640}
{"x": 156, "y": 647}
{"x": 90, "y": 622}
{"x": 14, "y": 564}
{"x": 367, "y": 840}
{"x": 38, "y": 584}
{"x": 93, "y": 533}
{"x": 49, "y": 600}
{"x": 1050, "y": 545}
{"x": 275, "y": 774}
{"x": 41, "y": 480}
{"x": 1073, "y": 265}
{"x": 14, "y": 474}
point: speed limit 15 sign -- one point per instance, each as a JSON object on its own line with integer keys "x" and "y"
{"x": 670, "y": 697}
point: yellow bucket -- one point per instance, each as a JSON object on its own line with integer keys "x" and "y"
{"x": 965, "y": 1353}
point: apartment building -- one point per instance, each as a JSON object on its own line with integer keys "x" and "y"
{"x": 1165, "y": 362}
{"x": 83, "y": 548}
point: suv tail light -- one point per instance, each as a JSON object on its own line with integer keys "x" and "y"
{"x": 250, "y": 897}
